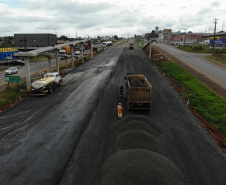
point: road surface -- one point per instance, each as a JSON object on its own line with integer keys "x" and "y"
{"x": 41, "y": 137}
{"x": 212, "y": 71}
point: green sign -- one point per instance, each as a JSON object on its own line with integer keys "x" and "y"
{"x": 142, "y": 44}
{"x": 12, "y": 78}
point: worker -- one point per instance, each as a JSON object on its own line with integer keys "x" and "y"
{"x": 121, "y": 90}
{"x": 119, "y": 108}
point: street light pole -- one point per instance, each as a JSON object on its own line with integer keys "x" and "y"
{"x": 184, "y": 36}
{"x": 214, "y": 35}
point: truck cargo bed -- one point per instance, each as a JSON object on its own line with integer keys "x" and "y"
{"x": 139, "y": 91}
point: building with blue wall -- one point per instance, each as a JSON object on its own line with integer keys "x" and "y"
{"x": 6, "y": 53}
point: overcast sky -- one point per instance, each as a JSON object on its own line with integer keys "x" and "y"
{"x": 113, "y": 17}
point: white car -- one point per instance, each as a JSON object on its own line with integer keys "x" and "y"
{"x": 11, "y": 71}
{"x": 77, "y": 53}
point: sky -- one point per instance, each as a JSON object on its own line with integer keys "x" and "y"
{"x": 92, "y": 18}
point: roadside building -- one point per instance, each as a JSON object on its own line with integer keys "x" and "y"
{"x": 182, "y": 38}
{"x": 32, "y": 41}
{"x": 220, "y": 39}
{"x": 7, "y": 53}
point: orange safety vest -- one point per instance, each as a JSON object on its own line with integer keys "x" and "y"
{"x": 119, "y": 108}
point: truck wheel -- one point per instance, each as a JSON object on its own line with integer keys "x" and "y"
{"x": 60, "y": 83}
{"x": 50, "y": 90}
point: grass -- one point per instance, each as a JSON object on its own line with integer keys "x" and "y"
{"x": 140, "y": 42}
{"x": 12, "y": 94}
{"x": 205, "y": 102}
{"x": 196, "y": 48}
{"x": 38, "y": 59}
{"x": 221, "y": 58}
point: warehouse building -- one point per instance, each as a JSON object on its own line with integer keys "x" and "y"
{"x": 32, "y": 41}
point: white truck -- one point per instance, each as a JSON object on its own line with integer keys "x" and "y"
{"x": 106, "y": 44}
{"x": 45, "y": 83}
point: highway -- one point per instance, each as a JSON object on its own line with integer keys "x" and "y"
{"x": 37, "y": 66}
{"x": 210, "y": 70}
{"x": 64, "y": 138}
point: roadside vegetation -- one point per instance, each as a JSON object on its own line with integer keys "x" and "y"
{"x": 204, "y": 101}
{"x": 201, "y": 49}
{"x": 196, "y": 48}
{"x": 218, "y": 57}
{"x": 140, "y": 42}
{"x": 12, "y": 94}
{"x": 221, "y": 58}
{"x": 38, "y": 59}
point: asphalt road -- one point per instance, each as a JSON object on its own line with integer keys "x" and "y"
{"x": 212, "y": 71}
{"x": 34, "y": 66}
{"x": 40, "y": 137}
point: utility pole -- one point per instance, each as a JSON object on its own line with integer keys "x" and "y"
{"x": 184, "y": 36}
{"x": 214, "y": 35}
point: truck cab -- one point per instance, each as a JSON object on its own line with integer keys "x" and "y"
{"x": 45, "y": 83}
{"x": 131, "y": 46}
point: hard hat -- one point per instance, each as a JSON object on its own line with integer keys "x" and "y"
{"x": 119, "y": 103}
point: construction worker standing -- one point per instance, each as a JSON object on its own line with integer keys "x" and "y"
{"x": 119, "y": 108}
{"x": 121, "y": 90}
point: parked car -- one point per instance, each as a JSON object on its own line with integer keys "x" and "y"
{"x": 77, "y": 53}
{"x": 11, "y": 71}
{"x": 77, "y": 49}
{"x": 18, "y": 63}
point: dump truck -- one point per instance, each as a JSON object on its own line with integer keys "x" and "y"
{"x": 139, "y": 91}
{"x": 131, "y": 46}
{"x": 67, "y": 49}
{"x": 45, "y": 83}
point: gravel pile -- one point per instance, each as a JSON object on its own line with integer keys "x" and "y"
{"x": 137, "y": 161}
{"x": 140, "y": 167}
{"x": 135, "y": 122}
{"x": 133, "y": 139}
{"x": 139, "y": 125}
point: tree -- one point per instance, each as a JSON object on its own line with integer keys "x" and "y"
{"x": 115, "y": 37}
{"x": 63, "y": 37}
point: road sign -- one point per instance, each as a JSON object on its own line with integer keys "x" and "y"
{"x": 12, "y": 78}
{"x": 142, "y": 44}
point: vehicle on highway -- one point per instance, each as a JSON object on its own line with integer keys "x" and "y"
{"x": 46, "y": 83}
{"x": 131, "y": 46}
{"x": 17, "y": 63}
{"x": 77, "y": 52}
{"x": 11, "y": 71}
{"x": 139, "y": 91}
{"x": 62, "y": 52}
{"x": 106, "y": 44}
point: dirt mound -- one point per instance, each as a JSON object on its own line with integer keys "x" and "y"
{"x": 133, "y": 139}
{"x": 137, "y": 83}
{"x": 139, "y": 125}
{"x": 136, "y": 122}
{"x": 140, "y": 167}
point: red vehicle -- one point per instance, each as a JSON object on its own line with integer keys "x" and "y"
{"x": 86, "y": 45}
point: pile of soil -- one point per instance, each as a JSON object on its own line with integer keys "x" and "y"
{"x": 137, "y": 83}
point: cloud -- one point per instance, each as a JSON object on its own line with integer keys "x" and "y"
{"x": 107, "y": 17}
{"x": 216, "y": 4}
